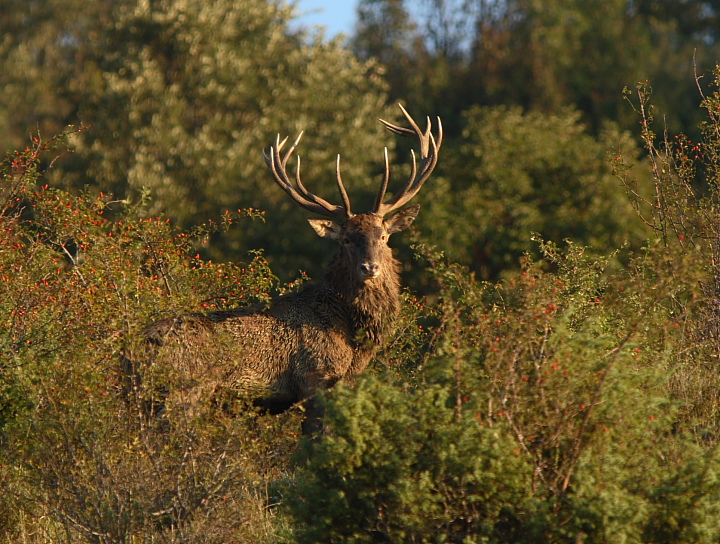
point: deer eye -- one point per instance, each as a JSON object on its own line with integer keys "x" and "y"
{"x": 346, "y": 240}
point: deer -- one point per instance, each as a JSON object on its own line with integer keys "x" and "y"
{"x": 284, "y": 352}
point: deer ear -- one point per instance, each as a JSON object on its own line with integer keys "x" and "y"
{"x": 326, "y": 228}
{"x": 402, "y": 219}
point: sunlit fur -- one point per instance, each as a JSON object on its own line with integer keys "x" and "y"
{"x": 283, "y": 352}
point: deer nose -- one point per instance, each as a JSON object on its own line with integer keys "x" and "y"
{"x": 369, "y": 270}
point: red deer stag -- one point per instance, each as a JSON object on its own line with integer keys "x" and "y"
{"x": 284, "y": 352}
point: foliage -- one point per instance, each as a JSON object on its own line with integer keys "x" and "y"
{"x": 182, "y": 96}
{"x": 587, "y": 392}
{"x": 545, "y": 415}
{"x": 400, "y": 468}
{"x": 681, "y": 207}
{"x": 79, "y": 459}
{"x": 451, "y": 55}
{"x": 517, "y": 173}
{"x": 575, "y": 400}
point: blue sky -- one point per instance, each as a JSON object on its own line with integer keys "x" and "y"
{"x": 336, "y": 15}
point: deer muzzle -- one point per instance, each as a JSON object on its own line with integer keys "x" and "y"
{"x": 369, "y": 270}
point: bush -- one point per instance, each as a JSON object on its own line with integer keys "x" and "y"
{"x": 545, "y": 415}
{"x": 575, "y": 401}
{"x": 79, "y": 458}
{"x": 400, "y": 467}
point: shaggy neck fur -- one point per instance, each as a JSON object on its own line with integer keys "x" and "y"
{"x": 373, "y": 304}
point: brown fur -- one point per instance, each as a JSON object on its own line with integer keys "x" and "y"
{"x": 282, "y": 353}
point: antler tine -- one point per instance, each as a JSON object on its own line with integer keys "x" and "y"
{"x": 429, "y": 149}
{"x": 292, "y": 147}
{"x": 384, "y": 184}
{"x": 400, "y": 131}
{"x": 308, "y": 195}
{"x": 279, "y": 145}
{"x": 301, "y": 196}
{"x": 341, "y": 188}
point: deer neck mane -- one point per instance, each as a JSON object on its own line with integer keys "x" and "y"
{"x": 373, "y": 304}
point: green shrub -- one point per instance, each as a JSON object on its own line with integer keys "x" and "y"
{"x": 544, "y": 415}
{"x": 400, "y": 467}
{"x": 79, "y": 459}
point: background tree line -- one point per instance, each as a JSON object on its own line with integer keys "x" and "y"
{"x": 181, "y": 97}
{"x": 449, "y": 55}
{"x": 554, "y": 377}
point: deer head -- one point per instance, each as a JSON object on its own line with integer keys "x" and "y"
{"x": 364, "y": 236}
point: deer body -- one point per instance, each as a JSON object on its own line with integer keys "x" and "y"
{"x": 284, "y": 352}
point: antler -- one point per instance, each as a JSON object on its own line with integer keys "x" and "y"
{"x": 301, "y": 195}
{"x": 429, "y": 148}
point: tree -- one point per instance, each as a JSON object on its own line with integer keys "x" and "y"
{"x": 418, "y": 63}
{"x": 542, "y": 55}
{"x": 181, "y": 96}
{"x": 516, "y": 174}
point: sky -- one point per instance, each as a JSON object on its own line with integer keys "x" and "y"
{"x": 336, "y": 15}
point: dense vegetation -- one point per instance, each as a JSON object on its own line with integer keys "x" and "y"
{"x": 554, "y": 378}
